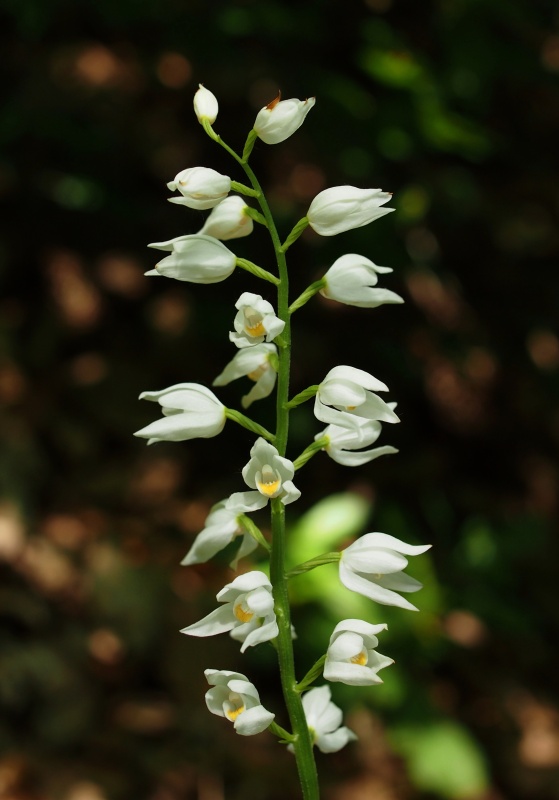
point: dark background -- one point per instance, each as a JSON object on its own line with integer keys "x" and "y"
{"x": 453, "y": 106}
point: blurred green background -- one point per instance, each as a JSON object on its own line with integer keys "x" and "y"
{"x": 452, "y": 105}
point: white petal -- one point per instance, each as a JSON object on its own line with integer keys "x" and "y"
{"x": 290, "y": 493}
{"x": 262, "y": 634}
{"x": 243, "y": 583}
{"x": 377, "y": 560}
{"x": 253, "y": 720}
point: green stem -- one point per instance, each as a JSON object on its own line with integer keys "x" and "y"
{"x": 302, "y": 742}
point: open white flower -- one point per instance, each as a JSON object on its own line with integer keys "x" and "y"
{"x": 201, "y": 188}
{"x": 248, "y": 612}
{"x": 256, "y": 363}
{"x": 196, "y": 258}
{"x": 222, "y": 526}
{"x": 228, "y": 220}
{"x": 373, "y": 566}
{"x": 190, "y": 411}
{"x": 342, "y": 208}
{"x": 351, "y": 279}
{"x": 351, "y": 656}
{"x": 346, "y": 440}
{"x": 205, "y": 105}
{"x": 255, "y": 321}
{"x": 281, "y": 118}
{"x": 233, "y": 696}
{"x": 270, "y": 473}
{"x": 353, "y": 391}
{"x": 325, "y": 721}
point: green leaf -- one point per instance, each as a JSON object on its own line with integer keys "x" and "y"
{"x": 443, "y": 758}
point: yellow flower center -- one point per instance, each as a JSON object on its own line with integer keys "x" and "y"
{"x": 253, "y": 322}
{"x": 233, "y": 706}
{"x": 269, "y": 481}
{"x": 242, "y": 611}
{"x": 361, "y": 658}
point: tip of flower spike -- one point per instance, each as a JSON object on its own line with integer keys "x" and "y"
{"x": 151, "y": 272}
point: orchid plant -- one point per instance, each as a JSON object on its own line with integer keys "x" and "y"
{"x": 254, "y": 607}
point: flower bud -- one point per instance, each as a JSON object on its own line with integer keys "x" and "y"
{"x": 201, "y": 188}
{"x": 342, "y": 208}
{"x": 196, "y": 258}
{"x": 228, "y": 220}
{"x": 280, "y": 118}
{"x": 352, "y": 280}
{"x": 205, "y": 105}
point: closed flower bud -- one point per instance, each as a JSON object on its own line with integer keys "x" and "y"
{"x": 281, "y": 118}
{"x": 342, "y": 208}
{"x": 228, "y": 220}
{"x": 190, "y": 411}
{"x": 201, "y": 188}
{"x": 352, "y": 280}
{"x": 205, "y": 105}
{"x": 196, "y": 258}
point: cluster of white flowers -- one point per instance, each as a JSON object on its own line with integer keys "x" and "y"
{"x": 347, "y": 400}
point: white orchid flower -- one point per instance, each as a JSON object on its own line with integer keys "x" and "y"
{"x": 201, "y": 188}
{"x": 205, "y": 105}
{"x": 351, "y": 656}
{"x": 190, "y": 411}
{"x": 325, "y": 721}
{"x": 373, "y": 566}
{"x": 196, "y": 258}
{"x": 346, "y": 440}
{"x": 233, "y": 696}
{"x": 270, "y": 473}
{"x": 351, "y": 279}
{"x": 222, "y": 526}
{"x": 255, "y": 363}
{"x": 353, "y": 391}
{"x": 277, "y": 121}
{"x": 255, "y": 321}
{"x": 342, "y": 208}
{"x": 248, "y": 612}
{"x": 228, "y": 220}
